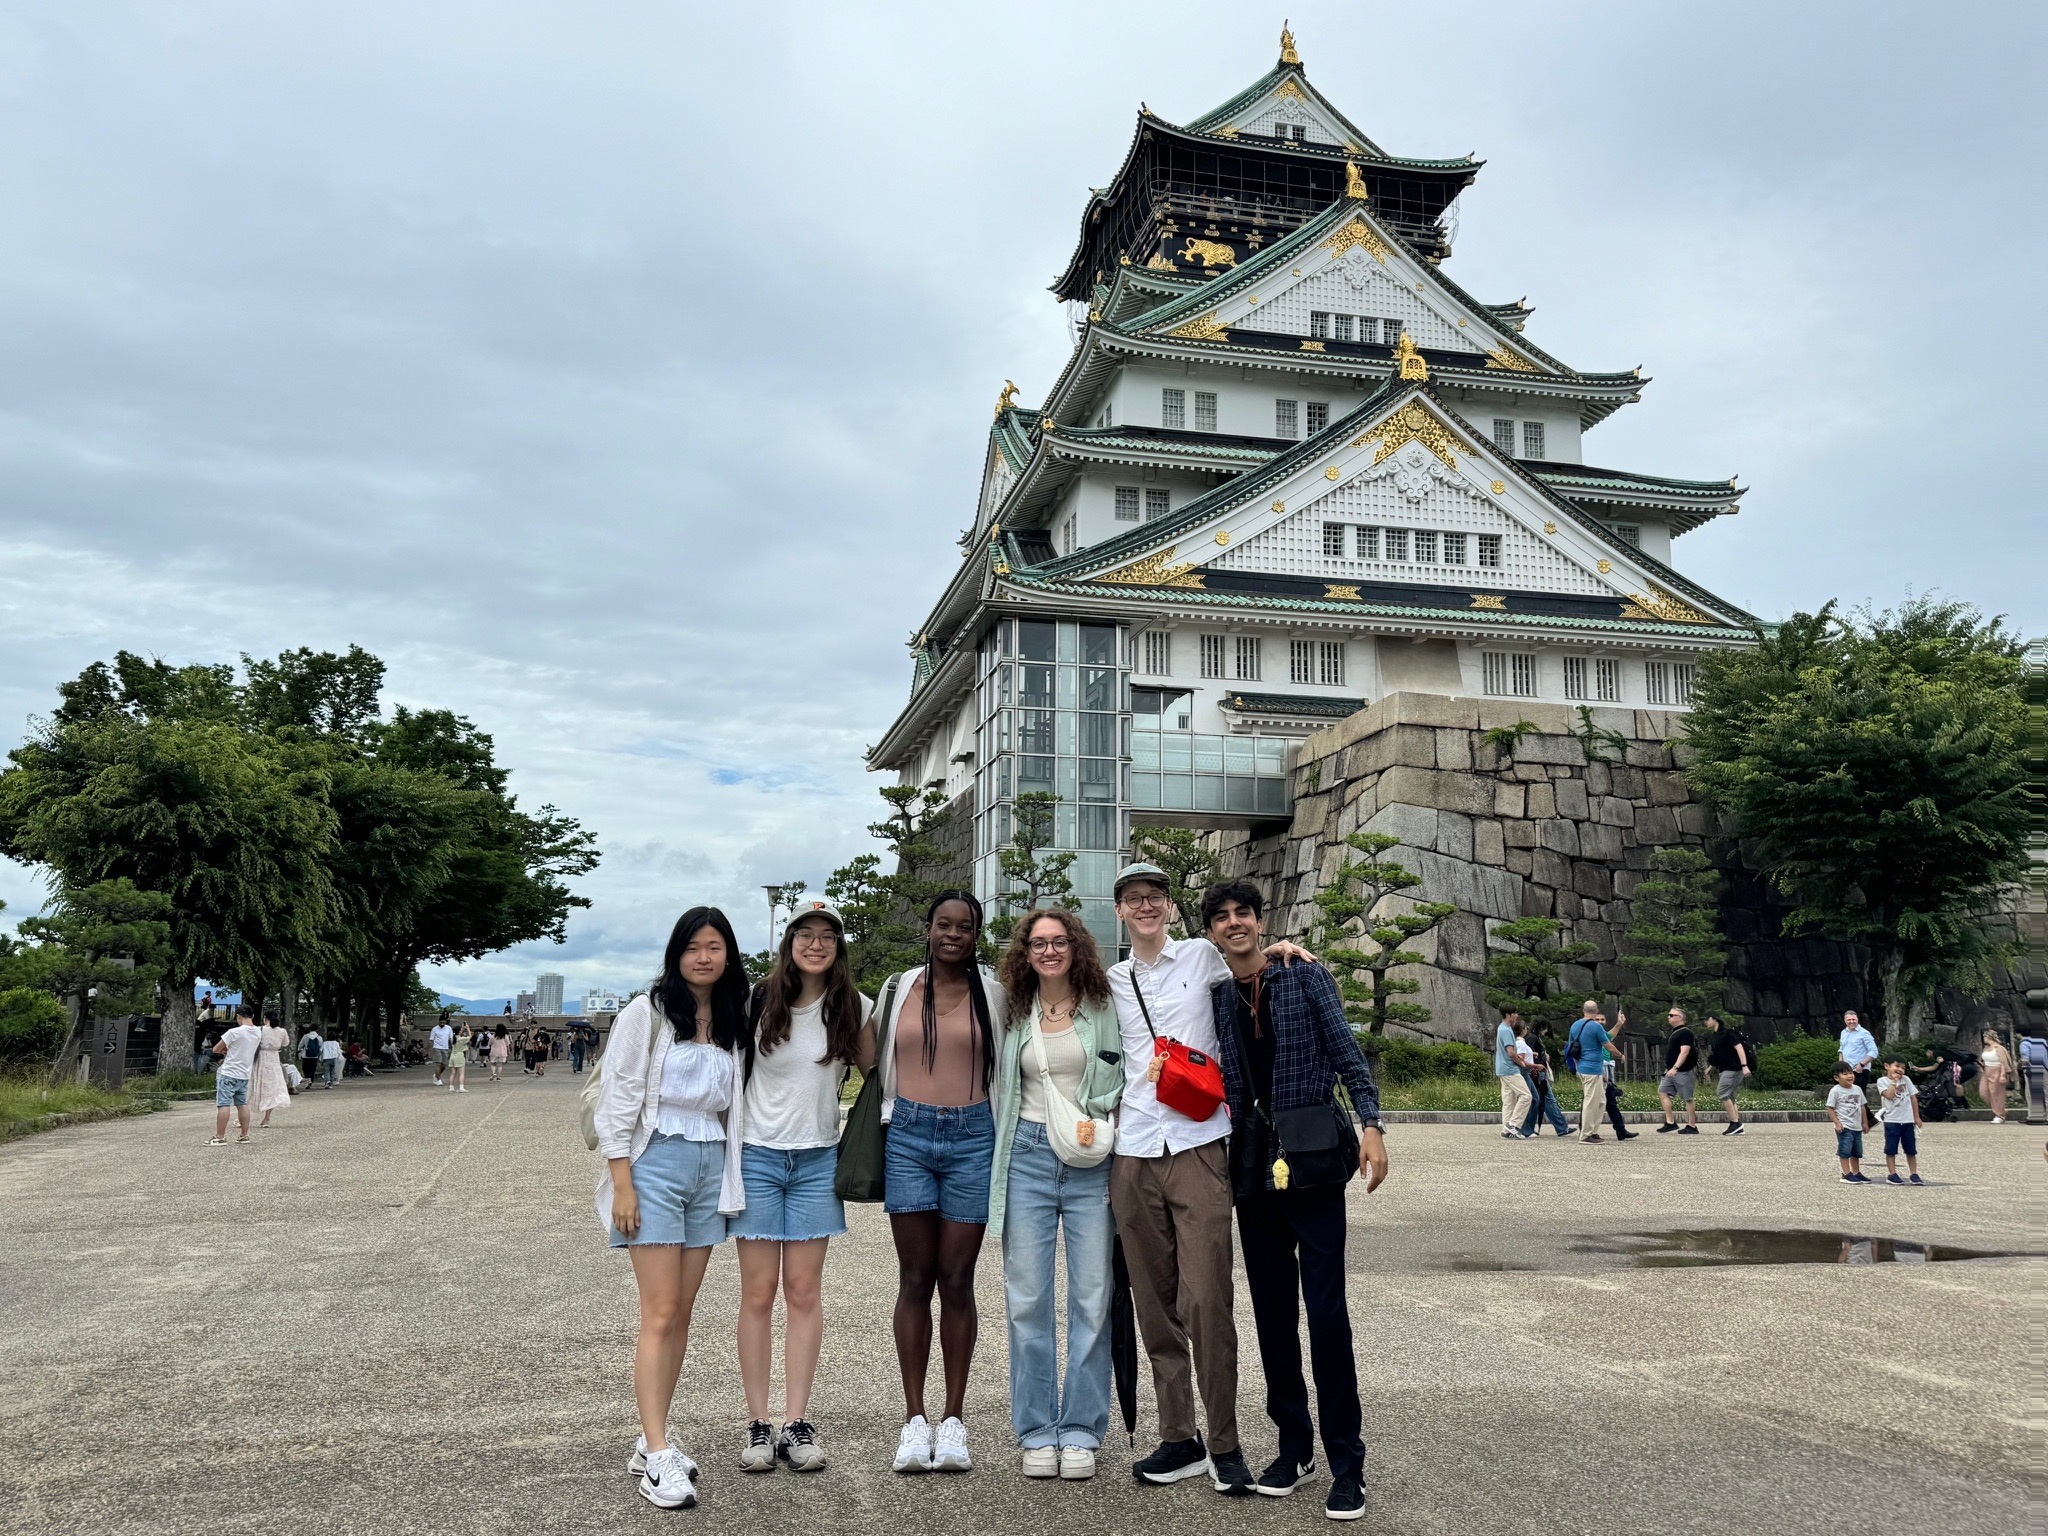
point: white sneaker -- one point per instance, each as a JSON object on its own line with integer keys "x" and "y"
{"x": 1042, "y": 1461}
{"x": 949, "y": 1452}
{"x": 463, "y": 1089}
{"x": 667, "y": 1482}
{"x": 637, "y": 1462}
{"x": 1998, "y": 1119}
{"x": 914, "y": 1447}
{"x": 1077, "y": 1463}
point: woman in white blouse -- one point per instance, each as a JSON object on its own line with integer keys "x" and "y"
{"x": 669, "y": 1125}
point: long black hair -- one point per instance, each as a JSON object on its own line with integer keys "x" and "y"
{"x": 678, "y": 1004}
{"x": 975, "y": 991}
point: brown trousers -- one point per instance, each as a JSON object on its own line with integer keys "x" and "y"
{"x": 1173, "y": 1213}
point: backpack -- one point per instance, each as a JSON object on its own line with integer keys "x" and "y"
{"x": 594, "y": 1089}
{"x": 1571, "y": 1048}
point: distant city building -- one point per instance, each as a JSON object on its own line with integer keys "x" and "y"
{"x": 602, "y": 1002}
{"x": 525, "y": 1003}
{"x": 547, "y": 993}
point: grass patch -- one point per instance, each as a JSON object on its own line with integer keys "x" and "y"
{"x": 179, "y": 1080}
{"x": 25, "y": 1101}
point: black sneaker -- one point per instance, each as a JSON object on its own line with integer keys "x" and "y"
{"x": 1626, "y": 1135}
{"x": 1284, "y": 1476}
{"x": 1173, "y": 1461}
{"x": 1688, "y": 1130}
{"x": 1231, "y": 1477}
{"x": 1667, "y": 1126}
{"x": 1347, "y": 1499}
{"x": 1733, "y": 1130}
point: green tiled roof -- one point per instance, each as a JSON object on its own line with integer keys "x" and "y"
{"x": 1591, "y": 477}
{"x": 1294, "y": 704}
{"x": 1185, "y": 445}
{"x": 1216, "y": 117}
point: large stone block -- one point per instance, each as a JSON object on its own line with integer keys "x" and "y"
{"x": 1519, "y": 833}
{"x": 1415, "y": 825}
{"x": 1613, "y": 811}
{"x": 1412, "y": 746}
{"x": 1510, "y": 799}
{"x": 1668, "y": 788}
{"x": 1538, "y": 901}
{"x": 1469, "y": 887}
{"x": 1553, "y": 869}
{"x": 1529, "y": 773}
{"x": 1571, "y": 799}
{"x": 1648, "y": 754}
{"x": 1454, "y": 749}
{"x": 1505, "y": 714}
{"x": 1599, "y": 780}
{"x": 1311, "y": 814}
{"x": 1657, "y": 825}
{"x": 1559, "y": 837}
{"x": 1518, "y": 861}
{"x": 1695, "y": 821}
{"x": 1432, "y": 709}
{"x": 1597, "y": 841}
{"x": 1437, "y": 790}
{"x": 1628, "y": 783}
{"x": 1542, "y": 802}
{"x": 1626, "y": 882}
{"x": 1564, "y": 751}
{"x": 1461, "y": 942}
{"x": 1354, "y": 727}
{"x": 1454, "y": 834}
{"x": 1593, "y": 881}
{"x": 1489, "y": 846}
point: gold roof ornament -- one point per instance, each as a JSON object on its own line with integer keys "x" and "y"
{"x": 1287, "y": 53}
{"x": 1159, "y": 569}
{"x": 1354, "y": 183}
{"x": 1159, "y": 263}
{"x": 1411, "y": 361}
{"x": 1201, "y": 328}
{"x": 1008, "y": 397}
{"x": 1506, "y": 357}
{"x": 1659, "y": 604}
{"x": 1358, "y": 233}
{"x": 1413, "y": 424}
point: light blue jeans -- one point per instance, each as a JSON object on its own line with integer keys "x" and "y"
{"x": 1044, "y": 1197}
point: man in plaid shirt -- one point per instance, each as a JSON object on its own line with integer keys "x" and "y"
{"x": 1284, "y": 1044}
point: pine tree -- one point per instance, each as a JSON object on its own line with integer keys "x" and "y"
{"x": 1675, "y": 941}
{"x": 1370, "y": 1004}
{"x": 1034, "y": 878}
{"x": 1524, "y": 978}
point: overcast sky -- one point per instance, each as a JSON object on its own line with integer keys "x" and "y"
{"x": 620, "y": 373}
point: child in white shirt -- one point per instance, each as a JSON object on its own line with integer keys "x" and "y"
{"x": 1846, "y": 1104}
{"x": 1899, "y": 1096}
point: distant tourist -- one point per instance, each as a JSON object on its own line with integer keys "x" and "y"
{"x": 236, "y": 1053}
{"x": 458, "y": 1060}
{"x": 2034, "y": 1077}
{"x": 501, "y": 1052}
{"x": 1681, "y": 1076}
{"x": 1846, "y": 1105}
{"x": 664, "y": 1125}
{"x": 576, "y": 1048}
{"x": 267, "y": 1088}
{"x": 809, "y": 1028}
{"x": 1899, "y": 1114}
{"x": 1858, "y": 1047}
{"x": 1059, "y": 1078}
{"x": 1733, "y": 1059}
{"x": 203, "y": 1037}
{"x": 936, "y": 1070}
{"x": 330, "y": 1062}
{"x": 1542, "y": 1086}
{"x": 1587, "y": 1056}
{"x": 309, "y": 1054}
{"x": 1515, "y": 1098}
{"x": 1994, "y": 1073}
{"x": 439, "y": 1040}
{"x": 1610, "y": 1067}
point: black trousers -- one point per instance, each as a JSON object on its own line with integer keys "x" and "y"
{"x": 1294, "y": 1253}
{"x": 1614, "y": 1108}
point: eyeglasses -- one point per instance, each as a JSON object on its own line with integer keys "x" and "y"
{"x": 1146, "y": 903}
{"x": 816, "y": 938}
{"x": 1050, "y": 946}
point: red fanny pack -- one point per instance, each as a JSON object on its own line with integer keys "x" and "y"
{"x": 1191, "y": 1083}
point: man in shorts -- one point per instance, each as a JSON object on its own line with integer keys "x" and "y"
{"x": 1732, "y": 1059}
{"x": 1681, "y": 1076}
{"x": 441, "y": 1039}
{"x": 236, "y": 1052}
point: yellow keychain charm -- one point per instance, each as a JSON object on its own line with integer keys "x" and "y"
{"x": 1280, "y": 1173}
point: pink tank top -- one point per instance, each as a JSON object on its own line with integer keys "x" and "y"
{"x": 954, "y": 1078}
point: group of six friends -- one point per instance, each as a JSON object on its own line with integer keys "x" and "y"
{"x": 1029, "y": 1103}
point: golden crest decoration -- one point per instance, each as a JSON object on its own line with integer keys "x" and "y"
{"x": 1413, "y": 424}
{"x": 1158, "y": 569}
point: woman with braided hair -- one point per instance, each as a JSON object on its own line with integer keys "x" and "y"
{"x": 937, "y": 1053}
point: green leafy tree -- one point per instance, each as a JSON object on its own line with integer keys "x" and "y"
{"x": 1875, "y": 768}
{"x": 32, "y": 1027}
{"x": 1674, "y": 938}
{"x": 1357, "y": 893}
{"x": 1034, "y": 876}
{"x": 862, "y": 896}
{"x": 1524, "y": 978}
{"x": 910, "y": 831}
{"x": 1189, "y": 864}
{"x": 103, "y": 949}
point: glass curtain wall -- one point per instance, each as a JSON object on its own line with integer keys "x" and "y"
{"x": 1174, "y": 768}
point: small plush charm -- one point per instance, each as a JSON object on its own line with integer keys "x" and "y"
{"x": 1279, "y": 1173}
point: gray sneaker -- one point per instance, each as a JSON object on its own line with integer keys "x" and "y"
{"x": 799, "y": 1446}
{"x": 758, "y": 1454}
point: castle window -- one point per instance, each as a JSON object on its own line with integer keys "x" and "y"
{"x": 1173, "y": 407}
{"x": 1509, "y": 674}
{"x": 1504, "y": 435}
{"x": 1319, "y": 324}
{"x": 1127, "y": 503}
{"x": 1318, "y": 416}
{"x": 1287, "y": 418}
{"x": 1425, "y": 546}
{"x": 1607, "y": 681}
{"x": 1212, "y": 655}
{"x": 1301, "y": 661}
{"x": 1343, "y": 324}
{"x": 1330, "y": 663}
{"x": 1397, "y": 543}
{"x": 1368, "y": 543}
{"x": 1333, "y": 540}
{"x": 1629, "y": 533}
{"x": 1454, "y": 549}
{"x": 1159, "y": 653}
{"x": 1575, "y": 678}
{"x": 1489, "y": 549}
{"x": 1157, "y": 503}
{"x": 1668, "y": 682}
{"x": 1248, "y": 658}
{"x": 1532, "y": 440}
{"x": 1205, "y": 410}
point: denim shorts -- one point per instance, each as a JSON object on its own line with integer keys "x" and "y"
{"x": 1901, "y": 1136}
{"x": 1849, "y": 1144}
{"x": 789, "y": 1195}
{"x": 677, "y": 1181}
{"x": 940, "y": 1160}
{"x": 230, "y": 1092}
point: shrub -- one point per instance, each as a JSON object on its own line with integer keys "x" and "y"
{"x": 1410, "y": 1061}
{"x": 1808, "y": 1062}
{"x": 31, "y": 1026}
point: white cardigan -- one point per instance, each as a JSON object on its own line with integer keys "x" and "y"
{"x": 998, "y": 1017}
{"x": 629, "y": 1104}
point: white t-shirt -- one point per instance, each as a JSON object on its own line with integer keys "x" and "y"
{"x": 241, "y": 1042}
{"x": 1064, "y": 1059}
{"x": 330, "y": 1050}
{"x": 442, "y": 1036}
{"x": 792, "y": 1099}
{"x": 1897, "y": 1109}
{"x": 1848, "y": 1104}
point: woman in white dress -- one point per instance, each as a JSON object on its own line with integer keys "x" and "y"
{"x": 267, "y": 1088}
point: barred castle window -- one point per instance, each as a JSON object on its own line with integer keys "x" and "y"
{"x": 1318, "y": 416}
{"x": 1607, "y": 681}
{"x": 1629, "y": 533}
{"x": 1504, "y": 435}
{"x": 1158, "y": 653}
{"x": 1454, "y": 549}
{"x": 1205, "y": 410}
{"x": 1127, "y": 503}
{"x": 1319, "y": 324}
{"x": 1425, "y": 546}
{"x": 1157, "y": 504}
{"x": 1575, "y": 678}
{"x": 1532, "y": 440}
{"x": 1509, "y": 674}
{"x": 1212, "y": 655}
{"x": 1301, "y": 661}
{"x": 1489, "y": 549}
{"x": 1333, "y": 540}
{"x": 1287, "y": 418}
{"x": 1368, "y": 543}
{"x": 1396, "y": 543}
{"x": 1343, "y": 324}
{"x": 1330, "y": 663}
{"x": 1248, "y": 658}
{"x": 1173, "y": 408}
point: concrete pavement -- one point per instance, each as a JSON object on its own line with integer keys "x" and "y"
{"x": 394, "y": 1313}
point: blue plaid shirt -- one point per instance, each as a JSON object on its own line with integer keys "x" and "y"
{"x": 1313, "y": 1043}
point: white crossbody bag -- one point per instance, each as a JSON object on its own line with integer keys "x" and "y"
{"x": 1063, "y": 1116}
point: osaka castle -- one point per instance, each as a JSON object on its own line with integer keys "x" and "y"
{"x": 1291, "y": 466}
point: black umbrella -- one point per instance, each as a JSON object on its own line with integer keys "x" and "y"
{"x": 1123, "y": 1340}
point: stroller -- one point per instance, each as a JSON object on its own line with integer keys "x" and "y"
{"x": 1943, "y": 1095}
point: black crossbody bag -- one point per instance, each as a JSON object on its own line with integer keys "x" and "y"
{"x": 1318, "y": 1142}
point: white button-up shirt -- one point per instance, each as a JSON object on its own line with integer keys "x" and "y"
{"x": 1177, "y": 994}
{"x": 1858, "y": 1046}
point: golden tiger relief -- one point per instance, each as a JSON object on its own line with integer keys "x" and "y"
{"x": 1209, "y": 253}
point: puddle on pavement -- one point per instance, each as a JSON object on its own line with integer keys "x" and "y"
{"x": 1705, "y": 1246}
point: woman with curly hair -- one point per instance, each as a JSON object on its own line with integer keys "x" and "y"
{"x": 1059, "y": 1077}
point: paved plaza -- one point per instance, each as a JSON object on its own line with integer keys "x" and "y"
{"x": 395, "y": 1314}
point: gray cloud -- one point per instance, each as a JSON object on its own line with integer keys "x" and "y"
{"x": 619, "y": 374}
